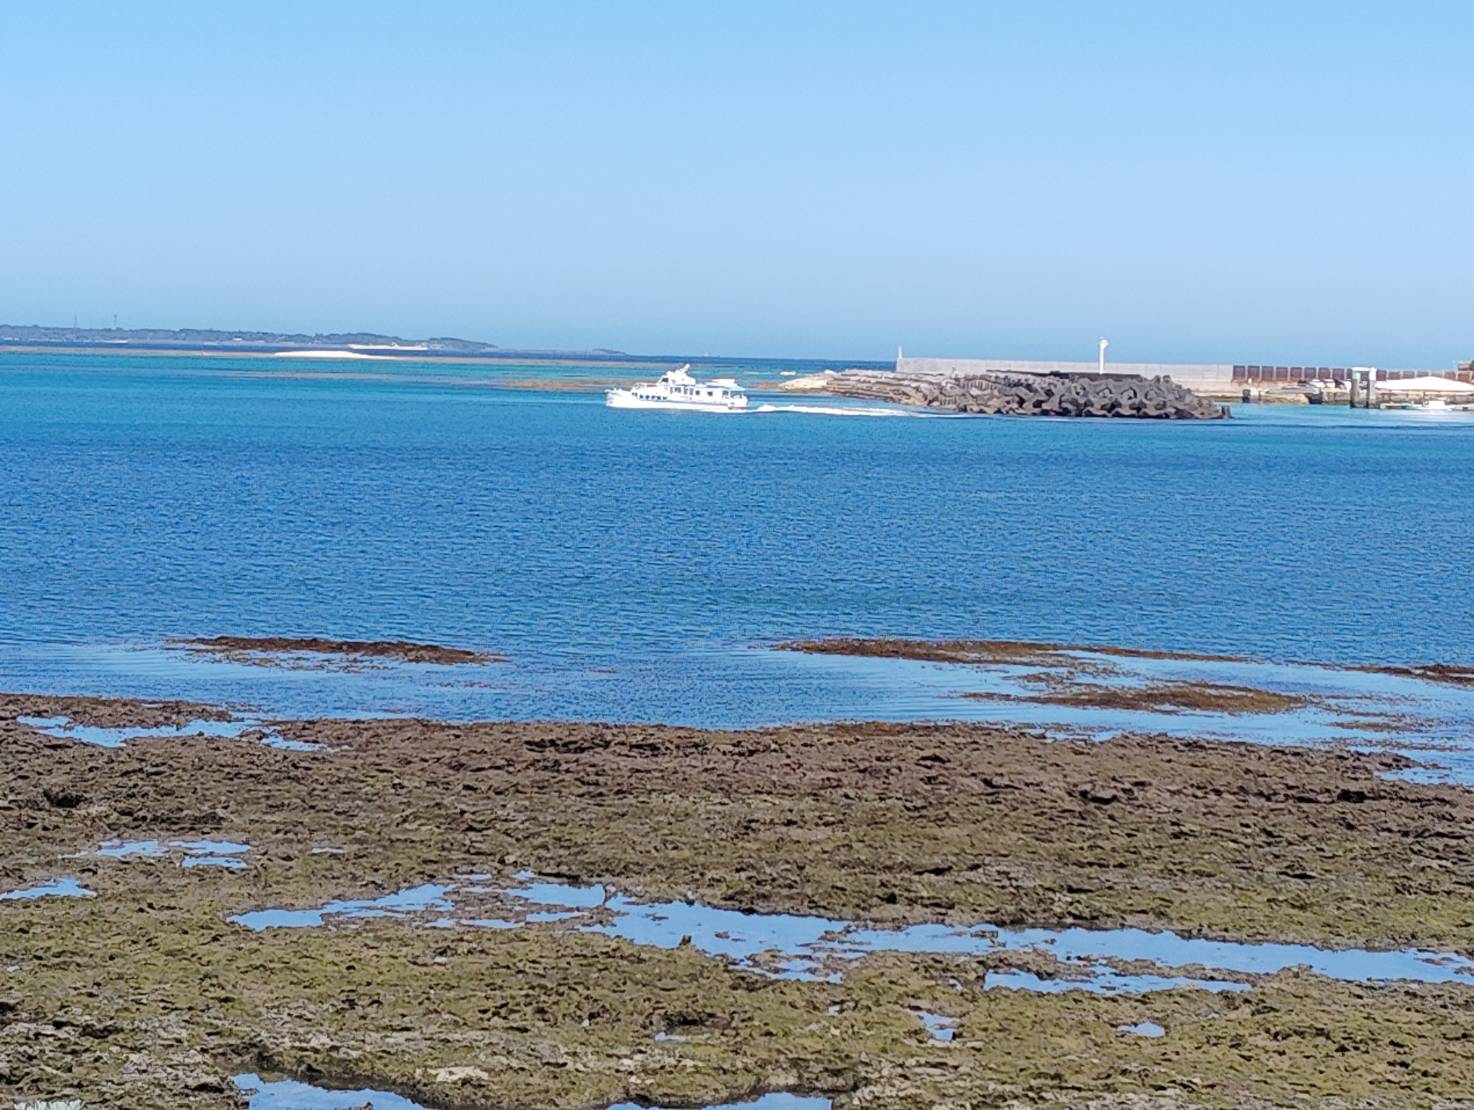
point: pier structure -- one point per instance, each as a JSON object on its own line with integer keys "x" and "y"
{"x": 1217, "y": 380}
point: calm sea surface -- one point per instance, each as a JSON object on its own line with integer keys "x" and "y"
{"x": 631, "y": 565}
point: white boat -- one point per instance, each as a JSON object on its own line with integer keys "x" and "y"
{"x": 677, "y": 389}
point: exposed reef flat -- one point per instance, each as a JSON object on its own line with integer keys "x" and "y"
{"x": 110, "y": 712}
{"x": 1104, "y": 689}
{"x": 1030, "y": 652}
{"x": 146, "y": 993}
{"x": 1065, "y": 665}
{"x": 1164, "y": 697}
{"x": 1449, "y": 674}
{"x": 271, "y": 650}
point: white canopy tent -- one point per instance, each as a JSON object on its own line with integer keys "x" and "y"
{"x": 1427, "y": 384}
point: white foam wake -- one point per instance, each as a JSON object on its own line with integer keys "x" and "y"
{"x": 835, "y": 410}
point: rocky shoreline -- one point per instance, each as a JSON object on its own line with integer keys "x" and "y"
{"x": 145, "y": 992}
{"x": 1008, "y": 393}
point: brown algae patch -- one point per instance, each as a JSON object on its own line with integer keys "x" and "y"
{"x": 1065, "y": 656}
{"x": 1166, "y": 697}
{"x": 1449, "y": 674}
{"x": 1017, "y": 652}
{"x": 94, "y": 712}
{"x": 1101, "y": 677}
{"x": 269, "y": 650}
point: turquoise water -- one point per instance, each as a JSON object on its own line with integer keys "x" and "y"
{"x": 630, "y": 563}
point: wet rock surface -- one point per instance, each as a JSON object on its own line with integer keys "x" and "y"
{"x": 1450, "y": 674}
{"x": 271, "y": 650}
{"x": 1134, "y": 685}
{"x": 1080, "y": 656}
{"x": 110, "y": 712}
{"x": 146, "y": 994}
{"x": 1009, "y": 393}
{"x": 1165, "y": 697}
{"x": 1029, "y": 652}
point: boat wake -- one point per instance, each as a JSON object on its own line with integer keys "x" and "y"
{"x": 836, "y": 410}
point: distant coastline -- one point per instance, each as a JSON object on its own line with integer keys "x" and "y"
{"x": 214, "y": 342}
{"x": 357, "y": 347}
{"x": 593, "y": 360}
{"x": 240, "y": 339}
{"x": 286, "y": 354}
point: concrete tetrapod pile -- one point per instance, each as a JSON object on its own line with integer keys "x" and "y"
{"x": 1014, "y": 394}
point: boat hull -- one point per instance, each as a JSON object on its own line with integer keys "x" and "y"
{"x": 624, "y": 399}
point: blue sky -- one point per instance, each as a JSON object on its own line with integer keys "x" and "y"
{"x": 1288, "y": 181}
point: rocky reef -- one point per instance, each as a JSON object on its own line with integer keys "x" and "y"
{"x": 1008, "y": 393}
{"x": 136, "y": 974}
{"x": 270, "y": 650}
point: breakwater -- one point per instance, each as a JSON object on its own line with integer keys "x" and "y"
{"x": 1007, "y": 393}
{"x": 1219, "y": 381}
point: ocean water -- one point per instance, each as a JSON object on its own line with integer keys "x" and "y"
{"x": 634, "y": 565}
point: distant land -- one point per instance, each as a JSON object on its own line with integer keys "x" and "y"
{"x": 216, "y": 339}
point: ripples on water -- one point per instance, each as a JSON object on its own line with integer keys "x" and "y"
{"x": 625, "y": 561}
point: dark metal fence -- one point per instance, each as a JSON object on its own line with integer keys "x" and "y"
{"x": 1245, "y": 373}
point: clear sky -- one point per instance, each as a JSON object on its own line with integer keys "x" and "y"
{"x": 1239, "y": 181}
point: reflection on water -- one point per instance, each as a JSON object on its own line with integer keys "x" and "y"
{"x": 939, "y": 1027}
{"x": 287, "y": 1094}
{"x": 772, "y": 1101}
{"x": 398, "y": 904}
{"x": 64, "y": 728}
{"x": 1144, "y": 1029}
{"x": 806, "y": 947}
{"x": 59, "y": 888}
{"x": 191, "y": 853}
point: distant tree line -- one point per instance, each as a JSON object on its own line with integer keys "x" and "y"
{"x": 216, "y": 337}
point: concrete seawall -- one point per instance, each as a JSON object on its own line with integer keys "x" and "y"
{"x": 1216, "y": 379}
{"x": 1219, "y": 380}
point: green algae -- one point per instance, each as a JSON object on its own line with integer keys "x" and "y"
{"x": 147, "y": 996}
{"x": 540, "y": 1018}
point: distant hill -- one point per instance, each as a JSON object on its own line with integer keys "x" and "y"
{"x": 213, "y": 337}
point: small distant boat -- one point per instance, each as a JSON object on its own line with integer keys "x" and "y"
{"x": 677, "y": 389}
